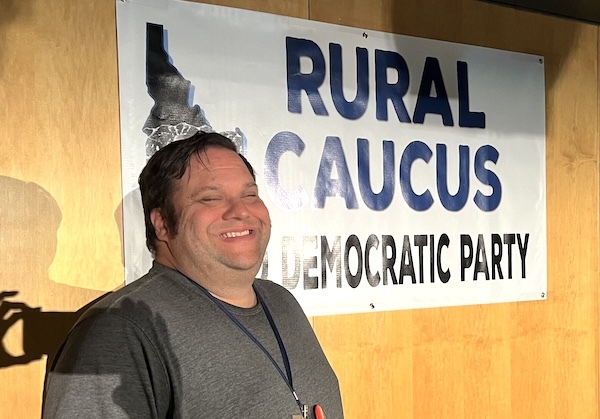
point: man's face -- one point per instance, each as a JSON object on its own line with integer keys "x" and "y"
{"x": 222, "y": 222}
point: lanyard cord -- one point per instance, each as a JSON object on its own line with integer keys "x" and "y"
{"x": 287, "y": 376}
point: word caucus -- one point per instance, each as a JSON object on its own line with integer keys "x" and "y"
{"x": 473, "y": 164}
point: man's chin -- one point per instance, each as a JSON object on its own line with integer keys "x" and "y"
{"x": 251, "y": 266}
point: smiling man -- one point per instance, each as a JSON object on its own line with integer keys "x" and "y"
{"x": 217, "y": 228}
{"x": 198, "y": 336}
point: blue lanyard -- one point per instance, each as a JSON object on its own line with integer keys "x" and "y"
{"x": 287, "y": 376}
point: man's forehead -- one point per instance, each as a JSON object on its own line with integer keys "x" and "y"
{"x": 215, "y": 158}
{"x": 202, "y": 169}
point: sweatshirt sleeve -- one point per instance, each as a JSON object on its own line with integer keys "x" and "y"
{"x": 108, "y": 367}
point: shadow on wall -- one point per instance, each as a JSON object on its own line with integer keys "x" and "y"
{"x": 42, "y": 332}
{"x": 29, "y": 221}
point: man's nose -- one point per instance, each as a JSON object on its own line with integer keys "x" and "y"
{"x": 236, "y": 209}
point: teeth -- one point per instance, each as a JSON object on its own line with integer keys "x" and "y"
{"x": 236, "y": 234}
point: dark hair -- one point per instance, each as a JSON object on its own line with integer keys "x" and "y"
{"x": 168, "y": 165}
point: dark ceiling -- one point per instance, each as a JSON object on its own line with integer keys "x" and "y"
{"x": 584, "y": 10}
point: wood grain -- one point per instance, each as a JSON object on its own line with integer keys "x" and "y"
{"x": 60, "y": 186}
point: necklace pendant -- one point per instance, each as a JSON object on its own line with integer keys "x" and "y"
{"x": 319, "y": 414}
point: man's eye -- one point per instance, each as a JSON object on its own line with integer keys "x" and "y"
{"x": 210, "y": 199}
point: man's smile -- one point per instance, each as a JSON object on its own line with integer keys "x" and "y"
{"x": 235, "y": 234}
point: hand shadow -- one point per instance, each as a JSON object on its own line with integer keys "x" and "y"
{"x": 29, "y": 222}
{"x": 11, "y": 313}
{"x": 43, "y": 332}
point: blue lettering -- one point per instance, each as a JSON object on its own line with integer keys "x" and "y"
{"x": 385, "y": 91}
{"x": 334, "y": 180}
{"x": 432, "y": 77}
{"x": 283, "y": 142}
{"x": 309, "y": 82}
{"x": 415, "y": 150}
{"x": 375, "y": 201}
{"x": 466, "y": 118}
{"x": 432, "y": 97}
{"x": 356, "y": 108}
{"x": 325, "y": 186}
{"x": 458, "y": 201}
{"x": 487, "y": 177}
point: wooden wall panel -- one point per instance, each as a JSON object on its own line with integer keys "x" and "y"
{"x": 59, "y": 180}
{"x": 59, "y": 217}
{"x": 521, "y": 360}
{"x": 292, "y": 8}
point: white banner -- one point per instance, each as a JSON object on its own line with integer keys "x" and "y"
{"x": 399, "y": 172}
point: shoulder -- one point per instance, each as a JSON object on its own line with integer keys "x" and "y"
{"x": 159, "y": 288}
{"x": 132, "y": 320}
{"x": 143, "y": 312}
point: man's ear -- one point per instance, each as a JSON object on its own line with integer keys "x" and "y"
{"x": 158, "y": 222}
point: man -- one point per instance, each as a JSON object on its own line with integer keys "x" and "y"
{"x": 198, "y": 336}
